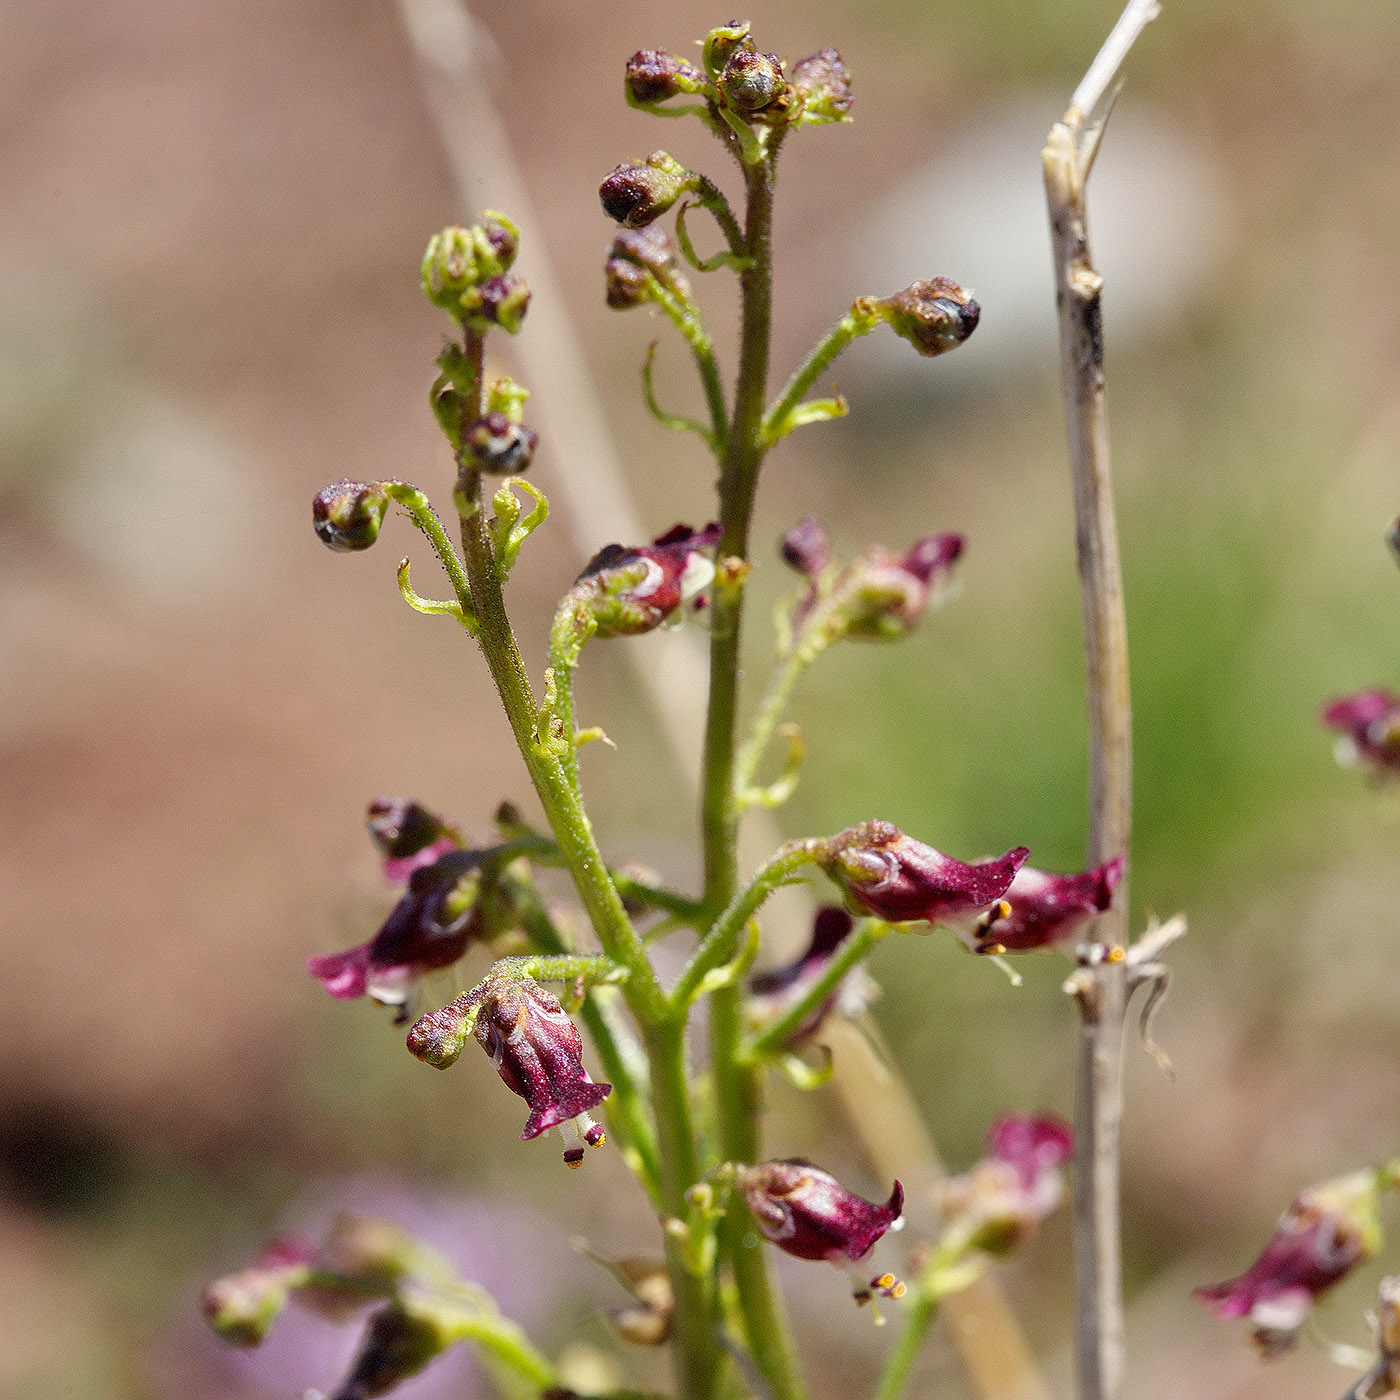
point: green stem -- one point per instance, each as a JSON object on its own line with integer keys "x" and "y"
{"x": 721, "y": 943}
{"x": 919, "y": 1314}
{"x": 423, "y": 515}
{"x": 774, "y": 1036}
{"x": 685, "y": 316}
{"x": 697, "y": 1353}
{"x": 736, "y": 1086}
{"x": 505, "y": 1343}
{"x": 850, "y": 327}
{"x": 770, "y": 714}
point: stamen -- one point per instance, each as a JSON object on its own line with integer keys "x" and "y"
{"x": 573, "y": 1147}
{"x": 593, "y": 1133}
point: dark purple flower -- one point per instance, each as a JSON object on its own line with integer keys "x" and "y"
{"x": 1040, "y": 910}
{"x": 809, "y": 1214}
{"x": 536, "y": 1049}
{"x": 654, "y": 75}
{"x": 630, "y": 591}
{"x": 772, "y": 993}
{"x": 241, "y": 1306}
{"x": 496, "y": 445}
{"x": 430, "y": 927}
{"x": 933, "y": 317}
{"x": 1000, "y": 1202}
{"x": 1328, "y": 1230}
{"x": 894, "y": 877}
{"x": 1368, "y": 724}
{"x": 347, "y": 515}
{"x": 638, "y": 259}
{"x": 408, "y": 835}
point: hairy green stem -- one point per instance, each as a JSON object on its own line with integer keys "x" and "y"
{"x": 774, "y": 1036}
{"x": 685, "y": 316}
{"x": 919, "y": 1313}
{"x": 850, "y": 327}
{"x": 423, "y": 515}
{"x": 697, "y": 1353}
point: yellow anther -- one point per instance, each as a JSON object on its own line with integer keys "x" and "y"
{"x": 572, "y": 1166}
{"x": 884, "y": 1281}
{"x": 1115, "y": 954}
{"x": 599, "y": 1140}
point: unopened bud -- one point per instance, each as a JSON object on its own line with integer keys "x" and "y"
{"x": 821, "y": 87}
{"x": 753, "y": 83}
{"x": 347, "y": 514}
{"x": 932, "y": 316}
{"x": 498, "y": 446}
{"x": 806, "y": 547}
{"x": 399, "y": 1340}
{"x": 654, "y": 75}
{"x": 459, "y": 260}
{"x": 635, "y": 258}
{"x": 242, "y": 1307}
{"x": 499, "y": 301}
{"x": 634, "y": 194}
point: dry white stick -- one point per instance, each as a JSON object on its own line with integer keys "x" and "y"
{"x": 1101, "y": 988}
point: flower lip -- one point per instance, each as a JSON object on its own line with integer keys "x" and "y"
{"x": 630, "y": 591}
{"x": 1033, "y": 1145}
{"x": 1369, "y": 725}
{"x": 772, "y": 992}
{"x": 1041, "y": 910}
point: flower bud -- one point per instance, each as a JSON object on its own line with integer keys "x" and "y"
{"x": 806, "y": 547}
{"x": 653, "y": 76}
{"x": 1328, "y": 1230}
{"x": 241, "y": 1307}
{"x": 821, "y": 88}
{"x": 1041, "y": 910}
{"x": 890, "y": 875}
{"x": 886, "y": 594}
{"x": 458, "y": 260}
{"x": 496, "y": 445}
{"x": 1368, "y": 725}
{"x": 499, "y": 301}
{"x": 932, "y": 316}
{"x": 752, "y": 84}
{"x": 372, "y": 1257}
{"x": 347, "y": 515}
{"x": 432, "y": 925}
{"x": 398, "y": 1342}
{"x": 808, "y": 1213}
{"x": 1001, "y": 1201}
{"x": 630, "y": 591}
{"x": 408, "y": 836}
{"x": 635, "y": 194}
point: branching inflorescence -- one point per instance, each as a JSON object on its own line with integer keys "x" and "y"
{"x": 689, "y": 1127}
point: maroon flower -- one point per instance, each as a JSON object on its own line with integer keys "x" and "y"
{"x": 653, "y": 75}
{"x": 771, "y": 993}
{"x": 430, "y": 927}
{"x": 1000, "y": 1202}
{"x": 409, "y": 836}
{"x": 1328, "y": 1230}
{"x": 630, "y": 591}
{"x": 822, "y": 87}
{"x": 809, "y": 1214}
{"x": 347, "y": 515}
{"x": 1368, "y": 724}
{"x": 640, "y": 191}
{"x": 537, "y": 1051}
{"x": 933, "y": 317}
{"x": 1040, "y": 910}
{"x": 890, "y": 875}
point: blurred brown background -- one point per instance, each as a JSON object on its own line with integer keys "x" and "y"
{"x": 209, "y": 236}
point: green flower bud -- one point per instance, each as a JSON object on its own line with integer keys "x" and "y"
{"x": 460, "y": 260}
{"x": 932, "y": 316}
{"x": 242, "y": 1307}
{"x": 347, "y": 515}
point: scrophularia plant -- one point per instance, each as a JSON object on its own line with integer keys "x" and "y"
{"x": 687, "y": 1124}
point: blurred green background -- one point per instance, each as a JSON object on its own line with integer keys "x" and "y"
{"x": 208, "y": 308}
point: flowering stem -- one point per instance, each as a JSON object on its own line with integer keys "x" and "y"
{"x": 505, "y": 1344}
{"x": 697, "y": 1355}
{"x": 1103, "y": 988}
{"x": 920, "y": 1310}
{"x": 775, "y": 1035}
{"x": 850, "y": 327}
{"x": 685, "y": 316}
